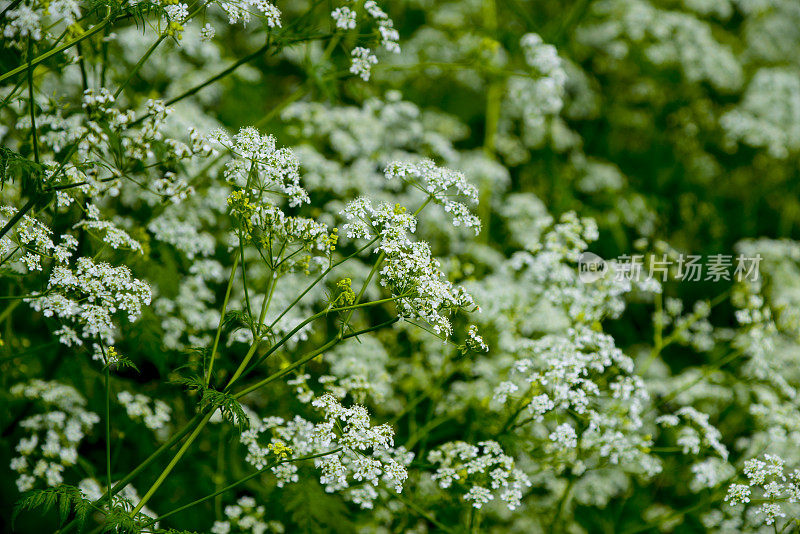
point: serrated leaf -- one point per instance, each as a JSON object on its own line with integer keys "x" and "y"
{"x": 65, "y": 497}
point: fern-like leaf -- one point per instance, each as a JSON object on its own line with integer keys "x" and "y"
{"x": 211, "y": 400}
{"x": 66, "y": 498}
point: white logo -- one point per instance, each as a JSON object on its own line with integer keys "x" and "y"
{"x": 591, "y": 267}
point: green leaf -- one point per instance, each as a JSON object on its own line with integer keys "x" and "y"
{"x": 65, "y": 497}
{"x": 211, "y": 400}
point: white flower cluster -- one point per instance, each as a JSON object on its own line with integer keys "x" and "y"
{"x": 139, "y": 407}
{"x": 111, "y": 143}
{"x": 246, "y": 517}
{"x": 769, "y": 114}
{"x": 710, "y": 473}
{"x": 344, "y": 17}
{"x": 362, "y": 60}
{"x": 426, "y": 295}
{"x": 391, "y": 224}
{"x": 548, "y": 269}
{"x": 367, "y": 452}
{"x": 30, "y": 241}
{"x": 52, "y": 438}
{"x": 185, "y": 235}
{"x": 111, "y": 234}
{"x": 242, "y": 10}
{"x": 774, "y": 486}
{"x": 666, "y": 38}
{"x": 583, "y": 374}
{"x": 25, "y": 21}
{"x": 88, "y": 297}
{"x": 536, "y": 99}
{"x": 696, "y": 433}
{"x": 189, "y": 315}
{"x": 693, "y": 329}
{"x": 259, "y": 167}
{"x": 482, "y": 473}
{"x": 475, "y": 341}
{"x": 441, "y": 185}
{"x": 411, "y": 272}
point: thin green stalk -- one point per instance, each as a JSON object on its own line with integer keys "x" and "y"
{"x": 265, "y": 304}
{"x": 160, "y": 480}
{"x": 167, "y": 470}
{"x": 149, "y": 52}
{"x": 319, "y": 279}
{"x": 9, "y": 7}
{"x": 238, "y": 483}
{"x": 244, "y": 285}
{"x": 311, "y": 355}
{"x": 706, "y": 373}
{"x": 426, "y": 515}
{"x": 119, "y": 486}
{"x": 193, "y": 436}
{"x": 219, "y": 75}
{"x": 43, "y": 57}
{"x": 219, "y": 477}
{"x": 34, "y": 134}
{"x": 17, "y": 216}
{"x": 286, "y": 370}
{"x": 10, "y": 307}
{"x": 229, "y": 70}
{"x": 139, "y": 64}
{"x": 296, "y": 329}
{"x": 562, "y": 503}
{"x": 108, "y": 433}
{"x": 222, "y": 318}
{"x": 171, "y": 465}
{"x": 82, "y": 66}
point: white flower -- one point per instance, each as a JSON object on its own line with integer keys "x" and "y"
{"x": 207, "y": 32}
{"x": 344, "y": 17}
{"x": 362, "y": 61}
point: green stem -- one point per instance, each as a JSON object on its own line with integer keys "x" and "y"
{"x": 238, "y": 483}
{"x": 119, "y": 486}
{"x": 427, "y": 515}
{"x": 222, "y": 318}
{"x": 139, "y": 65}
{"x": 318, "y": 279}
{"x": 193, "y": 436}
{"x": 286, "y": 370}
{"x": 108, "y": 432}
{"x": 17, "y": 216}
{"x": 34, "y": 134}
{"x": 35, "y": 61}
{"x": 171, "y": 465}
{"x": 296, "y": 329}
